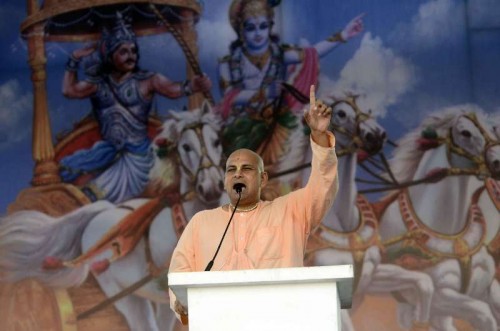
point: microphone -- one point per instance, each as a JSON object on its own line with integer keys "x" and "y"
{"x": 238, "y": 187}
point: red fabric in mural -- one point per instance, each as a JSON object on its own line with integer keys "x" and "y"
{"x": 303, "y": 75}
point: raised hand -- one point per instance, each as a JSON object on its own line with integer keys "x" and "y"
{"x": 318, "y": 116}
{"x": 201, "y": 84}
{"x": 353, "y": 28}
{"x": 85, "y": 51}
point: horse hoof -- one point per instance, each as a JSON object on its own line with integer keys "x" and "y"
{"x": 100, "y": 266}
{"x": 51, "y": 263}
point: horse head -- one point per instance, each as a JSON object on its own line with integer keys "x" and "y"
{"x": 463, "y": 133}
{"x": 355, "y": 130}
{"x": 492, "y": 154}
{"x": 189, "y": 153}
{"x": 492, "y": 157}
{"x": 472, "y": 139}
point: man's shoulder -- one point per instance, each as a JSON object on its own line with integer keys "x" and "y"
{"x": 143, "y": 74}
{"x": 207, "y": 214}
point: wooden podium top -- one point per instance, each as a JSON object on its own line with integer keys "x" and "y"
{"x": 341, "y": 274}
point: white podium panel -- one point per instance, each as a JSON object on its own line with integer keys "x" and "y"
{"x": 265, "y": 299}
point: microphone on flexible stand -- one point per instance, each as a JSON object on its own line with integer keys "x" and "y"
{"x": 238, "y": 187}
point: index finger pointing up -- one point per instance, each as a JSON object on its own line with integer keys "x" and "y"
{"x": 312, "y": 96}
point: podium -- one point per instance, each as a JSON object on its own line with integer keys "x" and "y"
{"x": 291, "y": 299}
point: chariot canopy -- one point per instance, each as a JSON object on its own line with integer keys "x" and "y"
{"x": 70, "y": 20}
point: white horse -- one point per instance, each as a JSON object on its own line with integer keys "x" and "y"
{"x": 349, "y": 232}
{"x": 490, "y": 202}
{"x": 26, "y": 238}
{"x": 438, "y": 227}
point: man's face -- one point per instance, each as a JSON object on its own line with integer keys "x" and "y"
{"x": 125, "y": 57}
{"x": 242, "y": 167}
{"x": 256, "y": 32}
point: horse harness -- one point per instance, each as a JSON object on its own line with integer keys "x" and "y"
{"x": 357, "y": 241}
{"x": 421, "y": 242}
{"x": 356, "y": 139}
{"x": 179, "y": 223}
{"x": 205, "y": 160}
{"x": 179, "y": 219}
{"x": 481, "y": 169}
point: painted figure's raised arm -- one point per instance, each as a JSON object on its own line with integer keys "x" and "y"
{"x": 323, "y": 47}
{"x": 71, "y": 86}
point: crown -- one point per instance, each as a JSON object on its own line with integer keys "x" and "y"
{"x": 241, "y": 10}
{"x": 120, "y": 33}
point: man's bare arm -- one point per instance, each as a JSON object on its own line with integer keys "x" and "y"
{"x": 72, "y": 87}
{"x": 164, "y": 86}
{"x": 75, "y": 89}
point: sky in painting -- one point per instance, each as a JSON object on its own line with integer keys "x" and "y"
{"x": 414, "y": 58}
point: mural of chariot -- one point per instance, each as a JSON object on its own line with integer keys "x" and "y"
{"x": 117, "y": 118}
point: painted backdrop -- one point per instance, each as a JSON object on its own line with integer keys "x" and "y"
{"x": 93, "y": 139}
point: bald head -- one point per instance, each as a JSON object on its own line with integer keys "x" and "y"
{"x": 248, "y": 153}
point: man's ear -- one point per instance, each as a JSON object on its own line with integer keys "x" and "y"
{"x": 264, "y": 179}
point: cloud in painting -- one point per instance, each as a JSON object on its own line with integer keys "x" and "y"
{"x": 484, "y": 13}
{"x": 376, "y": 73}
{"x": 213, "y": 42}
{"x": 214, "y": 38}
{"x": 437, "y": 22}
{"x": 15, "y": 109}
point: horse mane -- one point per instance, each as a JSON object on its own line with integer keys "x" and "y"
{"x": 406, "y": 157}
